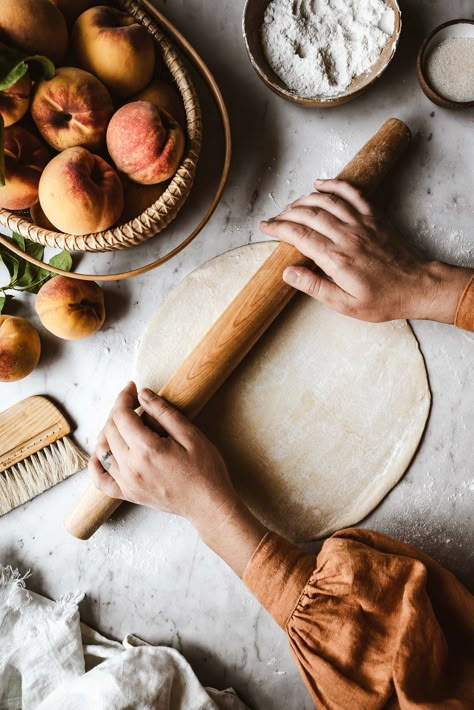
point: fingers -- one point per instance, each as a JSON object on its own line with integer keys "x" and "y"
{"x": 173, "y": 422}
{"x": 347, "y": 192}
{"x": 102, "y": 480}
{"x": 331, "y": 204}
{"x": 128, "y": 396}
{"x": 310, "y": 243}
{"x": 318, "y": 287}
{"x": 316, "y": 219}
{"x": 129, "y": 425}
{"x": 116, "y": 444}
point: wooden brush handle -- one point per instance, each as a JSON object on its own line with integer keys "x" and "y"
{"x": 246, "y": 318}
{"x": 28, "y": 427}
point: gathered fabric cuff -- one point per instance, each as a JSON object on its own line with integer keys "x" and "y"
{"x": 464, "y": 317}
{"x": 277, "y": 575}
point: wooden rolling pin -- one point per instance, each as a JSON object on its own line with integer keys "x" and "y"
{"x": 243, "y": 322}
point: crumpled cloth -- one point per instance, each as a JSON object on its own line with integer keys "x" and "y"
{"x": 49, "y": 660}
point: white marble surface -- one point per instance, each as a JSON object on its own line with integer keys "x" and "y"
{"x": 148, "y": 573}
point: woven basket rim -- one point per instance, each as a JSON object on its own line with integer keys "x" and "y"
{"x": 159, "y": 214}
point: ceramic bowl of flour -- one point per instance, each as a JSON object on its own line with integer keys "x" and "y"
{"x": 319, "y": 55}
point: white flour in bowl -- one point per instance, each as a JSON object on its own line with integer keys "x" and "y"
{"x": 317, "y": 47}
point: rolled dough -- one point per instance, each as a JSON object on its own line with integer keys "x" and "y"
{"x": 320, "y": 420}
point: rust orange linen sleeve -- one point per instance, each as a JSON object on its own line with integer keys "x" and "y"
{"x": 465, "y": 311}
{"x": 372, "y": 623}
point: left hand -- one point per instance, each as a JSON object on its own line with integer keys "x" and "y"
{"x": 168, "y": 463}
{"x": 178, "y": 470}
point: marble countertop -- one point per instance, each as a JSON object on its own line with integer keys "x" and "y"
{"x": 148, "y": 573}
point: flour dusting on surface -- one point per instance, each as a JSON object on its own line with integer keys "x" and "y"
{"x": 317, "y": 47}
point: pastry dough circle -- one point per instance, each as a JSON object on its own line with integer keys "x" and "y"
{"x": 320, "y": 420}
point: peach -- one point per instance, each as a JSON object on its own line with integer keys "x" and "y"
{"x": 139, "y": 198}
{"x": 167, "y": 97}
{"x": 70, "y": 309}
{"x": 35, "y": 26}
{"x": 71, "y": 9}
{"x": 116, "y": 48}
{"x": 25, "y": 159}
{"x": 145, "y": 143}
{"x": 73, "y": 108}
{"x": 80, "y": 193}
{"x": 15, "y": 100}
{"x": 20, "y": 348}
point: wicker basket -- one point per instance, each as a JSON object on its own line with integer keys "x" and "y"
{"x": 165, "y": 209}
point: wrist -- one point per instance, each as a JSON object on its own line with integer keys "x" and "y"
{"x": 233, "y": 533}
{"x": 440, "y": 291}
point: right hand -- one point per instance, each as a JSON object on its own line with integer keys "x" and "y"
{"x": 366, "y": 269}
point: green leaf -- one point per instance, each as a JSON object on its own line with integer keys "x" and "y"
{"x": 23, "y": 275}
{"x": 35, "y": 250}
{"x": 28, "y": 277}
{"x": 14, "y": 65}
{"x": 2, "y": 151}
{"x": 63, "y": 261}
{"x": 5, "y": 299}
{"x": 18, "y": 240}
{"x": 12, "y": 264}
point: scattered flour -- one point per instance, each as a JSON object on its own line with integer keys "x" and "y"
{"x": 317, "y": 47}
{"x": 446, "y": 243}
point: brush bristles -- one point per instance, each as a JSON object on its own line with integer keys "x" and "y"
{"x": 27, "y": 479}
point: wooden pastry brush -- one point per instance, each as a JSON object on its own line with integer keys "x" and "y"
{"x": 35, "y": 451}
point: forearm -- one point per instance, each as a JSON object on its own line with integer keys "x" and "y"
{"x": 233, "y": 533}
{"x": 440, "y": 289}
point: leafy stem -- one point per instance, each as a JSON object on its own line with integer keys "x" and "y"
{"x": 25, "y": 276}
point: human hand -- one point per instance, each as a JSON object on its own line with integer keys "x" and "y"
{"x": 179, "y": 471}
{"x": 368, "y": 270}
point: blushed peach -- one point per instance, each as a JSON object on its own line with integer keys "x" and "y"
{"x": 25, "y": 159}
{"x": 72, "y": 109}
{"x": 70, "y": 309}
{"x": 35, "y": 26}
{"x": 15, "y": 100}
{"x": 20, "y": 348}
{"x": 80, "y": 192}
{"x": 145, "y": 143}
{"x": 116, "y": 48}
{"x": 167, "y": 97}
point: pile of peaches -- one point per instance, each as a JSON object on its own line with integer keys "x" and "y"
{"x": 94, "y": 144}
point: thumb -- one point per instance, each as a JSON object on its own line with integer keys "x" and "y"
{"x": 316, "y": 286}
{"x": 166, "y": 416}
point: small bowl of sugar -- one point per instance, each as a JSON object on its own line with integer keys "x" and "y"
{"x": 445, "y": 64}
{"x": 320, "y": 53}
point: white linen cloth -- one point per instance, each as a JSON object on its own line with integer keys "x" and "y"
{"x": 49, "y": 660}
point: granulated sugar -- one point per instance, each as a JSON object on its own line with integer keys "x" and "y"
{"x": 450, "y": 68}
{"x": 317, "y": 47}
